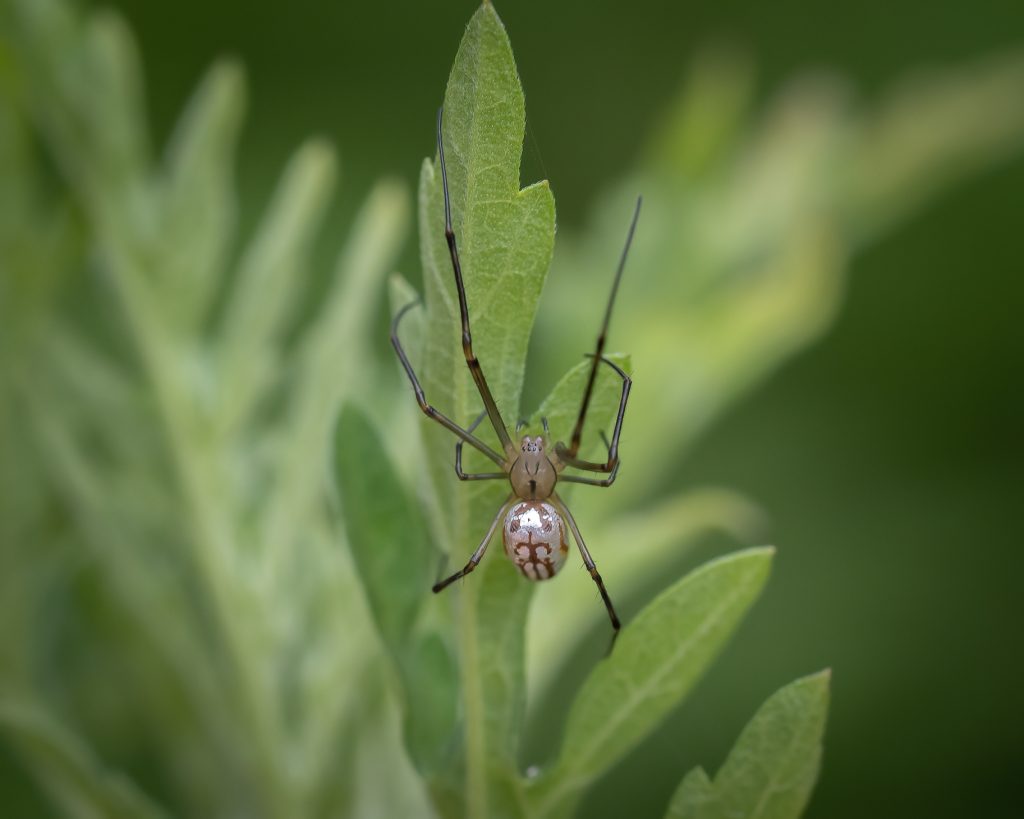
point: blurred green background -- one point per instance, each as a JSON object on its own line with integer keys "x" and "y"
{"x": 887, "y": 456}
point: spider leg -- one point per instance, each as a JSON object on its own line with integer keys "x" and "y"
{"x": 592, "y": 481}
{"x": 479, "y": 553}
{"x": 595, "y": 481}
{"x": 429, "y": 410}
{"x": 588, "y": 561}
{"x": 568, "y": 456}
{"x": 577, "y": 433}
{"x": 480, "y": 476}
{"x": 467, "y": 339}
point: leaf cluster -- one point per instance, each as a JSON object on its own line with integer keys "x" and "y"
{"x": 464, "y": 686}
{"x": 215, "y": 568}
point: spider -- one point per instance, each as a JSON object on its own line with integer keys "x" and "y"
{"x": 535, "y": 517}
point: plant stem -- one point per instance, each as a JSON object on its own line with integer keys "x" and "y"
{"x": 476, "y": 739}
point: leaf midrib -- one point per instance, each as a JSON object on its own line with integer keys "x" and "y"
{"x": 477, "y": 786}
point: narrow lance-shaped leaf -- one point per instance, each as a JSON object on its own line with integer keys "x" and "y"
{"x": 771, "y": 770}
{"x": 656, "y": 662}
{"x": 395, "y": 558}
{"x": 385, "y": 533}
{"x": 199, "y": 197}
{"x": 505, "y": 237}
{"x": 265, "y": 288}
{"x": 505, "y": 234}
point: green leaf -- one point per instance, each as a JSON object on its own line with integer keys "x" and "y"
{"x": 265, "y": 290}
{"x": 70, "y": 774}
{"x": 386, "y": 536}
{"x": 693, "y": 793}
{"x": 199, "y": 200}
{"x": 505, "y": 237}
{"x": 430, "y": 681}
{"x": 395, "y": 558}
{"x": 771, "y": 770}
{"x": 88, "y": 100}
{"x": 656, "y": 662}
{"x": 659, "y": 536}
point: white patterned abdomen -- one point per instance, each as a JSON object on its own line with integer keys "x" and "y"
{"x": 534, "y": 538}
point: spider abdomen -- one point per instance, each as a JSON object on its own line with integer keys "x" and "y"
{"x": 534, "y": 538}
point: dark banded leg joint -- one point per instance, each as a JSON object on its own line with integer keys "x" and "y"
{"x": 459, "y": 574}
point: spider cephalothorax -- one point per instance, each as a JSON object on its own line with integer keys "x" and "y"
{"x": 533, "y": 475}
{"x": 533, "y": 517}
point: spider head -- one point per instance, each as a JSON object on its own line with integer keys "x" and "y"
{"x": 532, "y": 446}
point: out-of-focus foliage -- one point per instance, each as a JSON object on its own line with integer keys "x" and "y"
{"x": 174, "y": 595}
{"x": 183, "y": 628}
{"x": 749, "y": 220}
{"x": 740, "y": 257}
{"x": 772, "y": 768}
